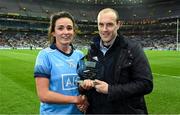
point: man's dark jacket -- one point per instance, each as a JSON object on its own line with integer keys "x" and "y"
{"x": 126, "y": 69}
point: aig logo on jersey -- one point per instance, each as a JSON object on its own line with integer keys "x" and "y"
{"x": 69, "y": 81}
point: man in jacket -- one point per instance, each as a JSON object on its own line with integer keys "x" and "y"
{"x": 123, "y": 74}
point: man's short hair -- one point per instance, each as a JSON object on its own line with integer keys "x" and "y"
{"x": 105, "y": 10}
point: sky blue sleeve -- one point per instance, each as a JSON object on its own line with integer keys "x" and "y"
{"x": 42, "y": 65}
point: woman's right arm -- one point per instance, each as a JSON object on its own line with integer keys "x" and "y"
{"x": 45, "y": 95}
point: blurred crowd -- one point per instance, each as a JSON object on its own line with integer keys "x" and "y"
{"x": 24, "y": 40}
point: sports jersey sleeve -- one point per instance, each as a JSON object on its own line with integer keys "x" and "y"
{"x": 42, "y": 65}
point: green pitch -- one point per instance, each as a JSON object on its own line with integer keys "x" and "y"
{"x": 18, "y": 93}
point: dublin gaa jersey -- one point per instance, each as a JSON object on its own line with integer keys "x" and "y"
{"x": 60, "y": 69}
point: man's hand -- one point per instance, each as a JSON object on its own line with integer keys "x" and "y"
{"x": 83, "y": 105}
{"x": 101, "y": 86}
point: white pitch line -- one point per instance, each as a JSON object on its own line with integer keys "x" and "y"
{"x": 167, "y": 75}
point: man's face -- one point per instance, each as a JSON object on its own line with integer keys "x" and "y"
{"x": 107, "y": 26}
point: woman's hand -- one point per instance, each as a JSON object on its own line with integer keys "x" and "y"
{"x": 87, "y": 84}
{"x": 83, "y": 104}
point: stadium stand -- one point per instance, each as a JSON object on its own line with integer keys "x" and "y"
{"x": 24, "y": 23}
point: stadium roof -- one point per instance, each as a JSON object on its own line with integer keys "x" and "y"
{"x": 117, "y": 2}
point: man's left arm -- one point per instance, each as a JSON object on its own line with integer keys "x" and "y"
{"x": 140, "y": 84}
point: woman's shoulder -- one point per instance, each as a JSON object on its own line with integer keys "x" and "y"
{"x": 79, "y": 52}
{"x": 46, "y": 51}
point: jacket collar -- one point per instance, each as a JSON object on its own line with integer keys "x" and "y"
{"x": 119, "y": 41}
